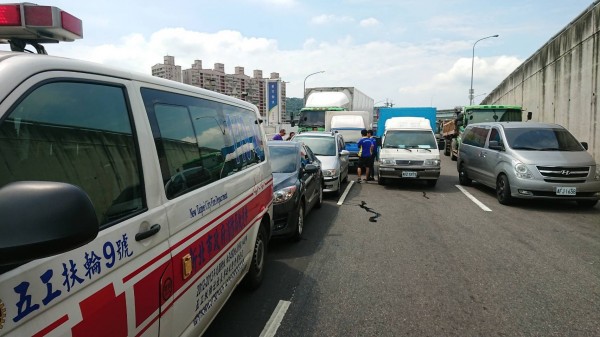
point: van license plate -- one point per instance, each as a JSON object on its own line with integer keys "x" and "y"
{"x": 566, "y": 190}
{"x": 409, "y": 174}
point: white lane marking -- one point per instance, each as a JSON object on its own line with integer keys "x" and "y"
{"x": 343, "y": 197}
{"x": 470, "y": 196}
{"x": 276, "y": 317}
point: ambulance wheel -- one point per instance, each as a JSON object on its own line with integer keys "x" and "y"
{"x": 257, "y": 266}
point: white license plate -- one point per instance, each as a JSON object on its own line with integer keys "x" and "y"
{"x": 409, "y": 174}
{"x": 566, "y": 190}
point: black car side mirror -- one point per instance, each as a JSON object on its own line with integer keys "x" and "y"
{"x": 494, "y": 145}
{"x": 310, "y": 168}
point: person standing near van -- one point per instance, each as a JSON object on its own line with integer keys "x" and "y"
{"x": 280, "y": 135}
{"x": 365, "y": 151}
{"x": 371, "y": 175}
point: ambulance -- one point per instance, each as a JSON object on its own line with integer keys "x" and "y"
{"x": 129, "y": 205}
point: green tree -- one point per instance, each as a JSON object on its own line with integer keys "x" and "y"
{"x": 293, "y": 106}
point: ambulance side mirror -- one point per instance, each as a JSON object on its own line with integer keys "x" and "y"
{"x": 41, "y": 219}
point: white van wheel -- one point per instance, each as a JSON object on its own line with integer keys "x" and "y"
{"x": 255, "y": 275}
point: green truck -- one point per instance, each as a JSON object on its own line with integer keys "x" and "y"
{"x": 323, "y": 99}
{"x": 452, "y": 129}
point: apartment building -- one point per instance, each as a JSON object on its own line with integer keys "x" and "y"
{"x": 255, "y": 89}
{"x": 167, "y": 70}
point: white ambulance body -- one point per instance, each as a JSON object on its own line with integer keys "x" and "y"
{"x": 130, "y": 205}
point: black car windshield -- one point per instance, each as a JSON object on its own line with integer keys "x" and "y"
{"x": 409, "y": 140}
{"x": 284, "y": 159}
{"x": 542, "y": 139}
{"x": 320, "y": 146}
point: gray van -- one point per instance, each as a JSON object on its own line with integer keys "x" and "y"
{"x": 529, "y": 161}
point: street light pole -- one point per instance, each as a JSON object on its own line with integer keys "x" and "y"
{"x": 304, "y": 89}
{"x": 471, "y": 92}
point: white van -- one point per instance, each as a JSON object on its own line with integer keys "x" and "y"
{"x": 129, "y": 205}
{"x": 408, "y": 151}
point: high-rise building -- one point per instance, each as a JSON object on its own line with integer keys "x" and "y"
{"x": 253, "y": 89}
{"x": 167, "y": 70}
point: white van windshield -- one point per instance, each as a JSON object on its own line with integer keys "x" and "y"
{"x": 403, "y": 139}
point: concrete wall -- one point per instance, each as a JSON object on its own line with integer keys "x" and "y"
{"x": 559, "y": 83}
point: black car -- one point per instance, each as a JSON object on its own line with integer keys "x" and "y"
{"x": 298, "y": 186}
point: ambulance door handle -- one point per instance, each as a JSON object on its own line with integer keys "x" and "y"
{"x": 146, "y": 234}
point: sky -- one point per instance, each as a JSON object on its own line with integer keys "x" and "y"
{"x": 405, "y": 52}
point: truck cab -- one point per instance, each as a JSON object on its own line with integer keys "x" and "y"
{"x": 408, "y": 151}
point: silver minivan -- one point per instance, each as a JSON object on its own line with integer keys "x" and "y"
{"x": 529, "y": 161}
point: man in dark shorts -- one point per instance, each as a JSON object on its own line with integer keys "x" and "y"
{"x": 365, "y": 151}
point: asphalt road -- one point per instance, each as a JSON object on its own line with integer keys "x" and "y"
{"x": 409, "y": 260}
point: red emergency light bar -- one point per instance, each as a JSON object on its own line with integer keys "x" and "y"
{"x": 39, "y": 24}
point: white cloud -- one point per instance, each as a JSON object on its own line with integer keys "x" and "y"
{"x": 330, "y": 19}
{"x": 407, "y": 74}
{"x": 370, "y": 22}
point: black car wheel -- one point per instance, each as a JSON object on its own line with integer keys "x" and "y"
{"x": 503, "y": 190}
{"x": 299, "y": 223}
{"x": 463, "y": 178}
{"x": 320, "y": 197}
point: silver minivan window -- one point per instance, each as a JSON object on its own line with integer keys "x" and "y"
{"x": 542, "y": 139}
{"x": 321, "y": 146}
{"x": 475, "y": 136}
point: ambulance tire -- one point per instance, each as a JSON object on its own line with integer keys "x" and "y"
{"x": 257, "y": 266}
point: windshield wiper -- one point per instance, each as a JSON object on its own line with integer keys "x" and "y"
{"x": 524, "y": 148}
{"x": 549, "y": 149}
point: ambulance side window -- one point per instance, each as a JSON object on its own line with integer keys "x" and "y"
{"x": 200, "y": 141}
{"x": 79, "y": 133}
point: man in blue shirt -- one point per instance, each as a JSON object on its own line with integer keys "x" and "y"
{"x": 365, "y": 151}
